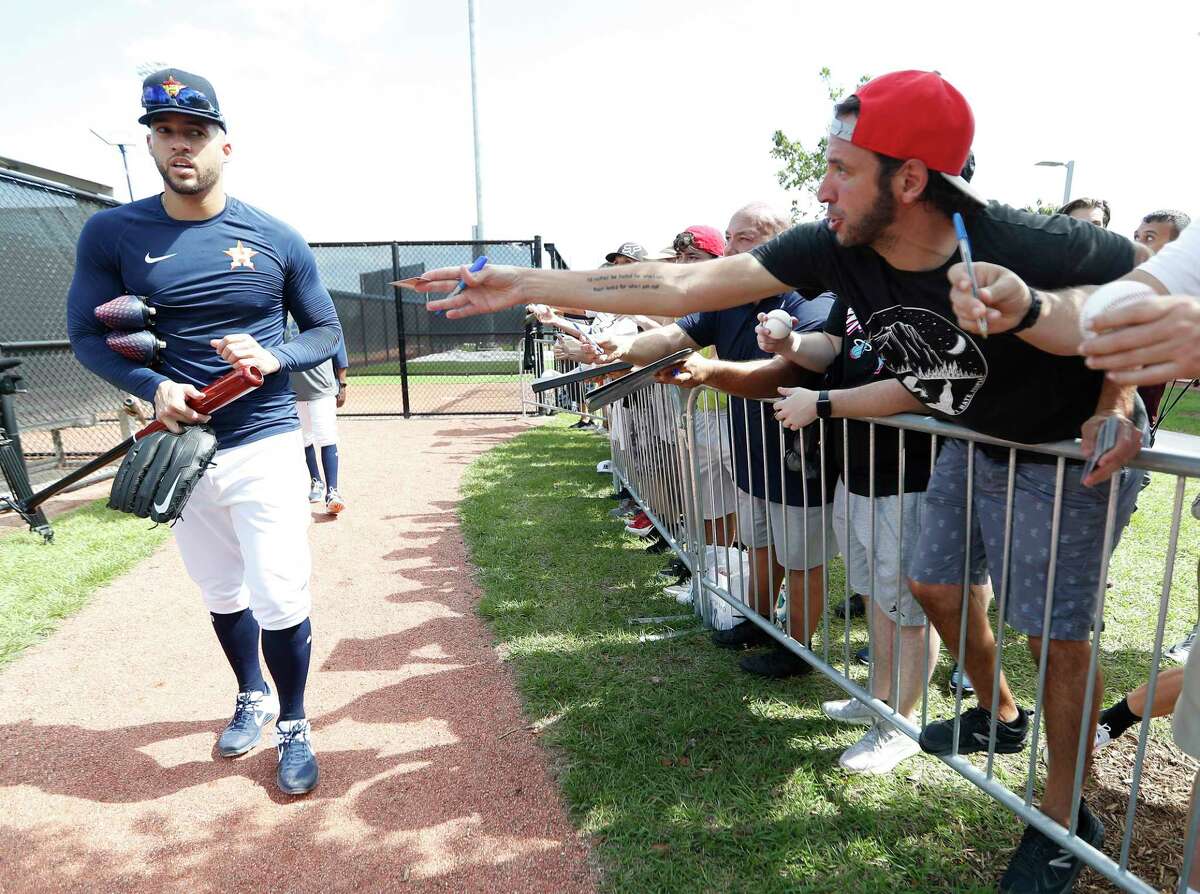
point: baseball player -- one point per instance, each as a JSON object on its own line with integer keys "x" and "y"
{"x": 222, "y": 277}
{"x": 320, "y": 393}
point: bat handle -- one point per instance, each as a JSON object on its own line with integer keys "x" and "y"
{"x": 224, "y": 390}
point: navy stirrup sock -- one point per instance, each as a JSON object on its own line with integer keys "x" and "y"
{"x": 310, "y": 457}
{"x": 287, "y": 653}
{"x": 329, "y": 462}
{"x": 238, "y": 634}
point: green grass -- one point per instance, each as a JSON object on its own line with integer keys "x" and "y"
{"x": 422, "y": 379}
{"x": 691, "y": 776}
{"x": 42, "y": 584}
{"x": 418, "y": 367}
{"x": 1185, "y": 417}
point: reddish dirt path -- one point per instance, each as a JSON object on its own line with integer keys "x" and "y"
{"x": 429, "y": 781}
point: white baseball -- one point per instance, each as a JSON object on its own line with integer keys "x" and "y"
{"x": 778, "y": 323}
{"x": 1109, "y": 297}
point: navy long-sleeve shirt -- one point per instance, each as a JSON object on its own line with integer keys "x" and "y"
{"x": 241, "y": 271}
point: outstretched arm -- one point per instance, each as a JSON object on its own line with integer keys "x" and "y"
{"x": 798, "y": 406}
{"x": 672, "y": 290}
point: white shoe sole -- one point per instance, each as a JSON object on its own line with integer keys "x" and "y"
{"x": 868, "y": 720}
{"x": 881, "y": 769}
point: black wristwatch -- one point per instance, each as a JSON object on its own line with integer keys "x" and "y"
{"x": 824, "y": 405}
{"x": 1032, "y": 315}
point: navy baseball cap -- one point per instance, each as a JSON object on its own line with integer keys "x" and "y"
{"x": 174, "y": 90}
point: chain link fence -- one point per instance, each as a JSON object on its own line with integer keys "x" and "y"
{"x": 403, "y": 359}
{"x": 66, "y": 415}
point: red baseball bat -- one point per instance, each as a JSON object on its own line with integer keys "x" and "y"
{"x": 224, "y": 390}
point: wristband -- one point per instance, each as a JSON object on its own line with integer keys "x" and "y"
{"x": 824, "y": 405}
{"x": 1032, "y": 315}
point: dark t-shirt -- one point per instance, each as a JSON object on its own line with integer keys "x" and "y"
{"x": 860, "y": 364}
{"x": 1001, "y": 386}
{"x": 732, "y": 333}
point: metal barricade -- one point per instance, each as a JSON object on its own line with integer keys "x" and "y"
{"x": 660, "y": 457}
{"x": 538, "y": 364}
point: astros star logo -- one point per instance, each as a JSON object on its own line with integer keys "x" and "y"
{"x": 241, "y": 256}
{"x": 172, "y": 86}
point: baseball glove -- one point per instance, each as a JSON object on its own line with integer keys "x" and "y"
{"x": 160, "y": 471}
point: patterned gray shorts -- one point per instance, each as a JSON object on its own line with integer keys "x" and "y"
{"x": 940, "y": 550}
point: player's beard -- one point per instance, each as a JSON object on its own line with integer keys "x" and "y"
{"x": 205, "y": 179}
{"x": 871, "y": 228}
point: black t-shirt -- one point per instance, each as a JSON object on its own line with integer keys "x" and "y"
{"x": 860, "y": 364}
{"x": 1000, "y": 386}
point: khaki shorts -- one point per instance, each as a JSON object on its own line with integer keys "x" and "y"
{"x": 1185, "y": 723}
{"x": 891, "y": 547}
{"x": 803, "y": 538}
{"x": 718, "y": 495}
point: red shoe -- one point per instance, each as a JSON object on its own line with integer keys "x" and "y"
{"x": 640, "y": 525}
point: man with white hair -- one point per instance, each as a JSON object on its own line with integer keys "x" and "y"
{"x": 759, "y": 494}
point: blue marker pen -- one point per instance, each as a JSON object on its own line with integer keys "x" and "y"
{"x": 964, "y": 248}
{"x": 480, "y": 263}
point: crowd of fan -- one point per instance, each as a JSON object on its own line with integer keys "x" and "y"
{"x": 792, "y": 521}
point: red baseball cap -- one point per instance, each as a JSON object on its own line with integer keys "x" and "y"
{"x": 708, "y": 239}
{"x": 914, "y": 114}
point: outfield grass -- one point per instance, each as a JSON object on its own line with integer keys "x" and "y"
{"x": 690, "y": 775}
{"x": 418, "y": 367}
{"x": 40, "y": 584}
{"x": 422, "y": 379}
{"x": 1185, "y": 417}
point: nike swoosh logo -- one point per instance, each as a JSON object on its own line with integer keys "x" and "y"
{"x": 150, "y": 260}
{"x": 166, "y": 501}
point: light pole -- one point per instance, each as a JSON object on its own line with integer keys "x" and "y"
{"x": 1070, "y": 166}
{"x": 475, "y": 124}
{"x": 124, "y": 159}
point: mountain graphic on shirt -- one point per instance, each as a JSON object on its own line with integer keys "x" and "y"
{"x": 931, "y": 357}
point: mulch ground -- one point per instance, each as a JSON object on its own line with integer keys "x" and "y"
{"x": 108, "y": 779}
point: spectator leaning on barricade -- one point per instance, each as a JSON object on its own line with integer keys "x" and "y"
{"x": 1158, "y": 228}
{"x": 1151, "y": 338}
{"x": 731, "y": 332}
{"x": 695, "y": 245}
{"x": 893, "y": 160}
{"x": 1094, "y": 211}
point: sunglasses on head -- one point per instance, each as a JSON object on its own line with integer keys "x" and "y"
{"x": 185, "y": 97}
{"x": 683, "y": 242}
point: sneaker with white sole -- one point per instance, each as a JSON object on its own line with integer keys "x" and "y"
{"x": 334, "y": 502}
{"x": 681, "y": 593}
{"x": 849, "y": 710}
{"x": 1104, "y": 737}
{"x": 297, "y": 772}
{"x": 252, "y": 711}
{"x": 316, "y": 491}
{"x": 1182, "y": 649}
{"x": 878, "y": 751}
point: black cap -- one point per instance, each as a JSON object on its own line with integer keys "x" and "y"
{"x": 174, "y": 90}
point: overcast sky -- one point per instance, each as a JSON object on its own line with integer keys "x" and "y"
{"x": 600, "y": 122}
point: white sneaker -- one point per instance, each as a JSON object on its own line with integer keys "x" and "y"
{"x": 878, "y": 751}
{"x": 681, "y": 593}
{"x": 316, "y": 491}
{"x": 1103, "y": 737}
{"x": 1180, "y": 651}
{"x": 849, "y": 710}
{"x": 335, "y": 502}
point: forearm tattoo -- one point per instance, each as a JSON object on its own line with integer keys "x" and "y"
{"x": 620, "y": 282}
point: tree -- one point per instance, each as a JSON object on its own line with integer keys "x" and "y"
{"x": 803, "y": 168}
{"x": 1039, "y": 206}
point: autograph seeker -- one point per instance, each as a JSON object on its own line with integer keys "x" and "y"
{"x": 896, "y": 150}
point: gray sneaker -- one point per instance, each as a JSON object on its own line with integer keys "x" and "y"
{"x": 251, "y": 713}
{"x": 316, "y": 491}
{"x": 1182, "y": 649}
